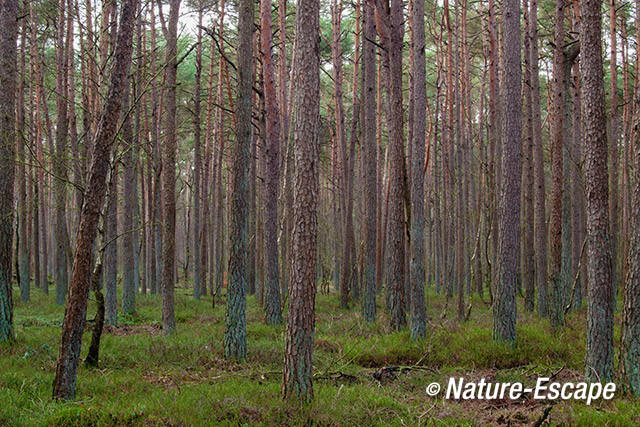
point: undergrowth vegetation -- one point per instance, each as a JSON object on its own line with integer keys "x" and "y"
{"x": 364, "y": 373}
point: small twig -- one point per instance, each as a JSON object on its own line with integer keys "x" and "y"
{"x": 427, "y": 411}
{"x": 575, "y": 280}
{"x": 543, "y": 417}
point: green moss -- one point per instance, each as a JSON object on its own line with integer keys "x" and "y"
{"x": 145, "y": 378}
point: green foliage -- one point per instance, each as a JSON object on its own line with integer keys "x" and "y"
{"x": 145, "y": 378}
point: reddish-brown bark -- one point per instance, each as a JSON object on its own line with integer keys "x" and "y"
{"x": 75, "y": 313}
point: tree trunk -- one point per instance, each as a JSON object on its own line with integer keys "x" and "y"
{"x": 369, "y": 165}
{"x": 557, "y": 141}
{"x": 394, "y": 18}
{"x": 169, "y": 171}
{"x": 273, "y": 309}
{"x": 417, "y": 275}
{"x": 299, "y": 337}
{"x": 599, "y": 351}
{"x": 197, "y": 166}
{"x": 540, "y": 226}
{"x": 630, "y": 340}
{"x": 60, "y": 164}
{"x": 23, "y": 203}
{"x": 75, "y": 313}
{"x": 614, "y": 151}
{"x": 130, "y": 181}
{"x": 94, "y": 349}
{"x": 218, "y": 196}
{"x": 8, "y": 81}
{"x": 111, "y": 249}
{"x": 235, "y": 327}
{"x": 504, "y": 306}
{"x": 528, "y": 252}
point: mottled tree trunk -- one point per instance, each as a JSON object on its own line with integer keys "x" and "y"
{"x": 557, "y": 141}
{"x": 8, "y": 80}
{"x": 504, "y": 306}
{"x": 169, "y": 170}
{"x": 599, "y": 351}
{"x": 494, "y": 137}
{"x": 369, "y": 164}
{"x": 273, "y": 308}
{"x": 614, "y": 151}
{"x": 417, "y": 274}
{"x": 394, "y": 18}
{"x": 235, "y": 326}
{"x": 630, "y": 340}
{"x": 299, "y": 337}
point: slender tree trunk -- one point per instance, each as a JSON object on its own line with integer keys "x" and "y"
{"x": 22, "y": 205}
{"x": 417, "y": 276}
{"x": 614, "y": 151}
{"x": 528, "y": 252}
{"x": 130, "y": 181}
{"x": 540, "y": 226}
{"x": 41, "y": 180}
{"x": 627, "y": 120}
{"x": 369, "y": 164}
{"x": 111, "y": 249}
{"x": 138, "y": 236}
{"x": 380, "y": 162}
{"x": 169, "y": 170}
{"x": 273, "y": 308}
{"x": 235, "y": 328}
{"x": 156, "y": 257}
{"x": 205, "y": 242}
{"x": 60, "y": 164}
{"x": 75, "y": 313}
{"x": 494, "y": 134}
{"x": 630, "y": 341}
{"x": 394, "y": 18}
{"x": 341, "y": 144}
{"x": 39, "y": 277}
{"x": 217, "y": 175}
{"x": 197, "y": 166}
{"x": 353, "y": 277}
{"x": 557, "y": 141}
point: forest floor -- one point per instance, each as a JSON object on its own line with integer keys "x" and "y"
{"x": 145, "y": 378}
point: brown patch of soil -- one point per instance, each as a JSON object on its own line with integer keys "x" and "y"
{"x": 123, "y": 330}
